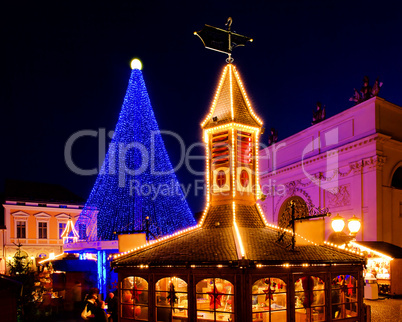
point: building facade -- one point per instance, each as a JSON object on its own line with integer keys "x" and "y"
{"x": 36, "y": 222}
{"x": 350, "y": 163}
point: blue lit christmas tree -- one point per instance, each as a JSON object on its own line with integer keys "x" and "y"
{"x": 136, "y": 179}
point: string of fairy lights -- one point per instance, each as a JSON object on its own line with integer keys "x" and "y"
{"x": 137, "y": 178}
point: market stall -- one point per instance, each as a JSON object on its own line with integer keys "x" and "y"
{"x": 384, "y": 264}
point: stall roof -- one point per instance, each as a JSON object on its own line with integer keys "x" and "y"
{"x": 217, "y": 245}
{"x": 383, "y": 247}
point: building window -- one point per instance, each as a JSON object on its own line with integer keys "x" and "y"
{"x": 269, "y": 300}
{"x": 397, "y": 179}
{"x": 344, "y": 297}
{"x": 62, "y": 227}
{"x": 21, "y": 229}
{"x": 171, "y": 299}
{"x": 42, "y": 230}
{"x": 215, "y": 300}
{"x": 310, "y": 299}
{"x": 134, "y": 299}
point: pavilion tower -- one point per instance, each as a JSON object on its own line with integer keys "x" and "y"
{"x": 228, "y": 266}
{"x": 231, "y": 133}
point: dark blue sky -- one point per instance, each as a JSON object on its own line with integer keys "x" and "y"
{"x": 65, "y": 68}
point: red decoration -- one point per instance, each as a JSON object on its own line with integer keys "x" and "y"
{"x": 215, "y": 300}
{"x": 136, "y": 294}
{"x": 350, "y": 287}
{"x": 269, "y": 293}
{"x": 221, "y": 178}
{"x": 244, "y": 178}
{"x": 308, "y": 285}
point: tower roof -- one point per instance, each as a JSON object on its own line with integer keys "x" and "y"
{"x": 230, "y": 104}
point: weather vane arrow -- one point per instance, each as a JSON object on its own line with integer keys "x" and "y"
{"x": 221, "y": 40}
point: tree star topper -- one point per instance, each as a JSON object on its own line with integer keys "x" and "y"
{"x": 222, "y": 40}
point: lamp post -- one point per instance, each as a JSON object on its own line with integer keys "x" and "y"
{"x": 338, "y": 224}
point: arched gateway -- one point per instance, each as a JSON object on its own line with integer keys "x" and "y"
{"x": 230, "y": 266}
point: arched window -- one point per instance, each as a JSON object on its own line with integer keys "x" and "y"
{"x": 344, "y": 297}
{"x": 269, "y": 300}
{"x": 215, "y": 300}
{"x": 134, "y": 298}
{"x": 310, "y": 299}
{"x": 397, "y": 179}
{"x": 171, "y": 299}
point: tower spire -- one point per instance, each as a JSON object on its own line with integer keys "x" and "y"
{"x": 231, "y": 133}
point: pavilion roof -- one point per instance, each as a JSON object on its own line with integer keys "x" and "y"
{"x": 214, "y": 246}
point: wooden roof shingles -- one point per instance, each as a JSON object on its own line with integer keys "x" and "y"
{"x": 214, "y": 246}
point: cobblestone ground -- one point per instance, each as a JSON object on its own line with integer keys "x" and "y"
{"x": 385, "y": 310}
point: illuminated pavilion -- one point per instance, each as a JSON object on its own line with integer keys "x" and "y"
{"x": 231, "y": 266}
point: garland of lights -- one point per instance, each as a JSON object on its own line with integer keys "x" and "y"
{"x": 121, "y": 199}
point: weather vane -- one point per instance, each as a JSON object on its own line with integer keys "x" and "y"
{"x": 221, "y": 40}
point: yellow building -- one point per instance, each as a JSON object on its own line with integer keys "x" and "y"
{"x": 35, "y": 215}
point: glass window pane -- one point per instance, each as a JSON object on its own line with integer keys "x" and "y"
{"x": 127, "y": 311}
{"x": 215, "y": 299}
{"x": 344, "y": 296}
{"x": 134, "y": 298}
{"x": 337, "y": 311}
{"x": 269, "y": 300}
{"x": 62, "y": 227}
{"x": 21, "y": 229}
{"x": 351, "y": 309}
{"x": 171, "y": 299}
{"x": 319, "y": 298}
{"x": 318, "y": 314}
{"x": 310, "y": 299}
{"x": 163, "y": 313}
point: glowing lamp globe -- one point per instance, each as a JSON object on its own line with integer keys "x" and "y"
{"x": 354, "y": 225}
{"x": 136, "y": 64}
{"x": 338, "y": 223}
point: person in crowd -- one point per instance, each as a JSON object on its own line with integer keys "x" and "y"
{"x": 90, "y": 305}
{"x": 100, "y": 314}
{"x": 111, "y": 301}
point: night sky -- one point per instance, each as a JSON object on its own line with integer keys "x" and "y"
{"x": 65, "y": 68}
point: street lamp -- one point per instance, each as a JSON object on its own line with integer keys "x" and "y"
{"x": 354, "y": 225}
{"x": 338, "y": 224}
